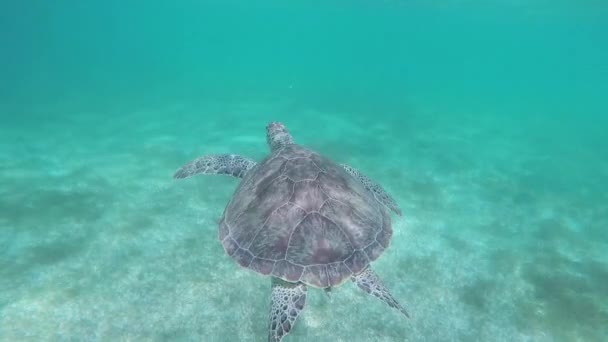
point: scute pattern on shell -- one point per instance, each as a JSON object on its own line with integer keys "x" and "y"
{"x": 300, "y": 217}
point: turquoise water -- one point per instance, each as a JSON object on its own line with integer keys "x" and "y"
{"x": 486, "y": 120}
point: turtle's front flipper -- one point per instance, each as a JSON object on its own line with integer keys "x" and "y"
{"x": 288, "y": 300}
{"x": 370, "y": 283}
{"x": 379, "y": 193}
{"x": 224, "y": 164}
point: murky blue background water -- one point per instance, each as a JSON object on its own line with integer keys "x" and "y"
{"x": 485, "y": 120}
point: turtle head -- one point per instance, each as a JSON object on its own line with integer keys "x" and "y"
{"x": 277, "y": 135}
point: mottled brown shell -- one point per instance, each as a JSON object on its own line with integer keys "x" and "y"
{"x": 300, "y": 217}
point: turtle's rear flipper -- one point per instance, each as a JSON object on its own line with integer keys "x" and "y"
{"x": 223, "y": 164}
{"x": 288, "y": 300}
{"x": 376, "y": 189}
{"x": 370, "y": 283}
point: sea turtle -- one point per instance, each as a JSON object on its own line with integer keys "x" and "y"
{"x": 303, "y": 220}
